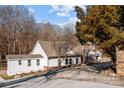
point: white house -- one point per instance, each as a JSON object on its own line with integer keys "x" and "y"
{"x": 50, "y": 56}
{"x": 17, "y": 64}
{"x": 42, "y": 56}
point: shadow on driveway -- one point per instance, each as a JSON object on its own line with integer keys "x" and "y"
{"x": 101, "y": 66}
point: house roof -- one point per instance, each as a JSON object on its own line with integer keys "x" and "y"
{"x": 50, "y": 51}
{"x": 78, "y": 49}
{"x": 48, "y": 48}
{"x": 23, "y": 56}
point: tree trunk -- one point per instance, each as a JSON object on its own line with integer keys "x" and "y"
{"x": 114, "y": 57}
{"x": 84, "y": 54}
{"x": 59, "y": 62}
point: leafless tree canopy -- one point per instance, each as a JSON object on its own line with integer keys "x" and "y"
{"x": 19, "y": 32}
{"x": 16, "y": 30}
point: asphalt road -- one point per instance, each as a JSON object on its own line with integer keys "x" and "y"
{"x": 51, "y": 80}
{"x": 43, "y": 82}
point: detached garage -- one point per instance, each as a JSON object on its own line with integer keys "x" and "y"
{"x": 17, "y": 64}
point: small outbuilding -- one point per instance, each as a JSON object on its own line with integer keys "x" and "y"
{"x": 98, "y": 56}
{"x": 17, "y": 64}
{"x": 94, "y": 56}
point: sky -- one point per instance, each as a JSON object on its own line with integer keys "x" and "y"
{"x": 55, "y": 14}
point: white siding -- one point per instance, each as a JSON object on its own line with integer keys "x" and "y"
{"x": 53, "y": 62}
{"x": 79, "y": 60}
{"x": 14, "y": 68}
{"x": 39, "y": 50}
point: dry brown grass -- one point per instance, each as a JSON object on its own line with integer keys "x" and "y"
{"x": 6, "y": 77}
{"x": 120, "y": 56}
{"x": 106, "y": 59}
{"x": 120, "y": 64}
{"x": 120, "y": 69}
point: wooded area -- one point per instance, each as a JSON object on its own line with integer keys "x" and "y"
{"x": 103, "y": 26}
{"x": 19, "y": 32}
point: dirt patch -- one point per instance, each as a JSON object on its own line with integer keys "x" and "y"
{"x": 108, "y": 72}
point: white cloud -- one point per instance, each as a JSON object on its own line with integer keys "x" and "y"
{"x": 61, "y": 10}
{"x": 61, "y": 14}
{"x": 64, "y": 11}
{"x": 31, "y": 10}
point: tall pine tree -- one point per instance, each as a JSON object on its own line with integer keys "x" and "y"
{"x": 103, "y": 26}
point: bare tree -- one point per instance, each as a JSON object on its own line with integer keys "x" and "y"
{"x": 19, "y": 28}
{"x": 19, "y": 33}
{"x": 64, "y": 42}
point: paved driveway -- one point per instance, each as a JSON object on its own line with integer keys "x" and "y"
{"x": 43, "y": 82}
{"x": 64, "y": 83}
{"x": 70, "y": 78}
{"x": 100, "y": 66}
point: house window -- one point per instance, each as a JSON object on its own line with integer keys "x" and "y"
{"x": 19, "y": 62}
{"x": 76, "y": 60}
{"x": 29, "y": 63}
{"x": 70, "y": 61}
{"x": 38, "y": 62}
{"x": 66, "y": 61}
